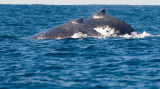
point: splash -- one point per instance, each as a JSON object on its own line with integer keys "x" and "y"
{"x": 79, "y": 35}
{"x": 106, "y": 31}
{"x": 136, "y": 35}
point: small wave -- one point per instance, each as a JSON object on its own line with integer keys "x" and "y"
{"x": 7, "y": 37}
{"x": 141, "y": 35}
{"x": 136, "y": 35}
{"x": 112, "y": 33}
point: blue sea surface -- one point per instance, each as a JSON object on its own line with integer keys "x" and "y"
{"x": 89, "y": 63}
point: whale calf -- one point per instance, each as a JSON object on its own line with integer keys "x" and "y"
{"x": 97, "y": 25}
{"x": 102, "y": 23}
{"x": 70, "y": 29}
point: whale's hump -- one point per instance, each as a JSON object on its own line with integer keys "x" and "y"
{"x": 69, "y": 29}
{"x": 100, "y": 20}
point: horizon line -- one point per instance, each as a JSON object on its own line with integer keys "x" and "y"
{"x": 79, "y": 4}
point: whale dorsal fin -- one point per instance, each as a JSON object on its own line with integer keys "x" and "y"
{"x": 100, "y": 12}
{"x": 78, "y": 21}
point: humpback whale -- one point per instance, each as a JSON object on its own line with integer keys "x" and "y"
{"x": 70, "y": 29}
{"x": 102, "y": 23}
{"x": 97, "y": 25}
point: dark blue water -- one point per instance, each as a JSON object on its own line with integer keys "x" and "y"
{"x": 112, "y": 63}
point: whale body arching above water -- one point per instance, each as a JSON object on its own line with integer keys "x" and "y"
{"x": 96, "y": 25}
{"x": 102, "y": 20}
{"x": 70, "y": 29}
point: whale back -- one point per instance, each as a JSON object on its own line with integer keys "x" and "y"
{"x": 100, "y": 19}
{"x": 66, "y": 30}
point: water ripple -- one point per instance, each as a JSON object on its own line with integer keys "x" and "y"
{"x": 116, "y": 62}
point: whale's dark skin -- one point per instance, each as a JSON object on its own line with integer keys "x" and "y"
{"x": 66, "y": 30}
{"x": 101, "y": 19}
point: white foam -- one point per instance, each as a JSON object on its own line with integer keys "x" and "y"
{"x": 79, "y": 35}
{"x": 136, "y": 35}
{"x": 106, "y": 31}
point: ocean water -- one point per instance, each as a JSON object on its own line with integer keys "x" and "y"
{"x": 130, "y": 62}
